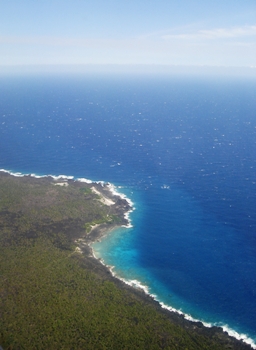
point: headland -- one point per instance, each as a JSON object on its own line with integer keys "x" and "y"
{"x": 47, "y": 226}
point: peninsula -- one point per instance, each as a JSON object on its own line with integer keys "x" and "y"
{"x": 55, "y": 295}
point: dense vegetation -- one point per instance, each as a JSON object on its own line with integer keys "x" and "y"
{"x": 53, "y": 297}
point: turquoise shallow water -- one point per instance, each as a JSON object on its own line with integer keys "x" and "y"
{"x": 183, "y": 150}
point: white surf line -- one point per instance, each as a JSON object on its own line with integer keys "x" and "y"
{"x": 138, "y": 285}
{"x": 133, "y": 283}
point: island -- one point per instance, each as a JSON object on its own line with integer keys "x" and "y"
{"x": 54, "y": 294}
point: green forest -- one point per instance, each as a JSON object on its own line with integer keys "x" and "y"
{"x": 54, "y": 297}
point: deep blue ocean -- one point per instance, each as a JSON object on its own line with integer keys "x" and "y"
{"x": 183, "y": 149}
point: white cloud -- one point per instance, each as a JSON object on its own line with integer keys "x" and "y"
{"x": 216, "y": 33}
{"x": 234, "y": 46}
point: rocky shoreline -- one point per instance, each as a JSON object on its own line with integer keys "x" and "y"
{"x": 215, "y": 333}
{"x": 120, "y": 207}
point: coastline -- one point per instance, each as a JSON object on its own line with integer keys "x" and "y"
{"x": 123, "y": 206}
{"x": 223, "y": 333}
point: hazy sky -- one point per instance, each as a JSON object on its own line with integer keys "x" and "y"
{"x": 186, "y": 32}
